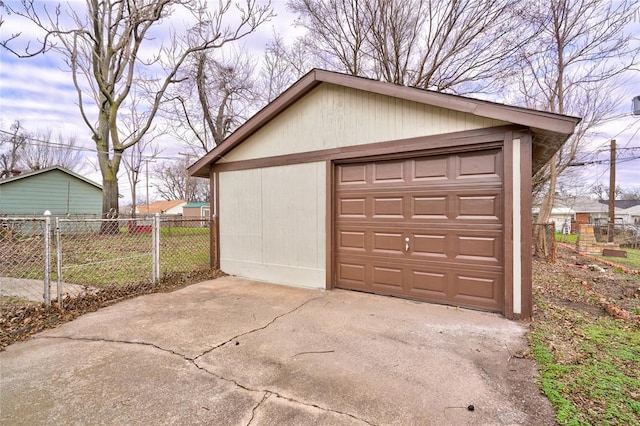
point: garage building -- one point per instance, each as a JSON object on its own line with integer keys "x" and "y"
{"x": 346, "y": 182}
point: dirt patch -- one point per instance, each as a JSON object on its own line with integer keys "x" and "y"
{"x": 618, "y": 287}
{"x": 585, "y": 337}
{"x": 21, "y": 319}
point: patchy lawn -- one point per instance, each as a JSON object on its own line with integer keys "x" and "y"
{"x": 589, "y": 360}
{"x": 97, "y": 260}
{"x": 632, "y": 261}
{"x": 567, "y": 238}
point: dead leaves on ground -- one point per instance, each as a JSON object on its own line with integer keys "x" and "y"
{"x": 19, "y": 321}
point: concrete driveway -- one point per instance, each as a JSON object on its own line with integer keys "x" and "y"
{"x": 234, "y": 352}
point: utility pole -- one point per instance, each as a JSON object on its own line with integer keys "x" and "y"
{"x": 612, "y": 191}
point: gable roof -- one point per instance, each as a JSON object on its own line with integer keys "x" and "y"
{"x": 634, "y": 211}
{"x": 585, "y": 204}
{"x": 623, "y": 204}
{"x": 549, "y": 130}
{"x": 159, "y": 206}
{"x": 580, "y": 204}
{"x": 47, "y": 170}
{"x": 195, "y": 204}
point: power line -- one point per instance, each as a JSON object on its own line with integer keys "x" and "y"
{"x": 633, "y": 148}
{"x": 36, "y": 141}
{"x": 607, "y": 161}
{"x": 30, "y": 140}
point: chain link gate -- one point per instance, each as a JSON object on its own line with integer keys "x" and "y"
{"x": 41, "y": 258}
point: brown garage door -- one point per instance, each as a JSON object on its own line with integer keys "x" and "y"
{"x": 427, "y": 228}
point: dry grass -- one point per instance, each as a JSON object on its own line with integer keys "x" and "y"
{"x": 589, "y": 361}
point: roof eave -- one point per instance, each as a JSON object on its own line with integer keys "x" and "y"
{"x": 550, "y": 130}
{"x": 49, "y": 169}
{"x": 201, "y": 167}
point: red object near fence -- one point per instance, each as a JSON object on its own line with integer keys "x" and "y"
{"x": 134, "y": 228}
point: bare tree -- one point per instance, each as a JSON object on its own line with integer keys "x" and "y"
{"x": 106, "y": 46}
{"x": 569, "y": 68}
{"x": 134, "y": 160}
{"x": 174, "y": 182}
{"x": 43, "y": 150}
{"x": 461, "y": 46}
{"x": 337, "y": 32}
{"x": 11, "y": 146}
{"x": 602, "y": 192}
{"x": 216, "y": 98}
{"x": 282, "y": 65}
{"x": 630, "y": 193}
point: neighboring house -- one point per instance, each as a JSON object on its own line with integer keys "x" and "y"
{"x": 634, "y": 214}
{"x": 623, "y": 204}
{"x": 626, "y": 210}
{"x": 595, "y": 212}
{"x": 162, "y": 207}
{"x": 196, "y": 210}
{"x": 588, "y": 210}
{"x": 563, "y": 218}
{"x": 346, "y": 182}
{"x": 56, "y": 189}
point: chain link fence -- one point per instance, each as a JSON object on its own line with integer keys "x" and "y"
{"x": 22, "y": 257}
{"x": 185, "y": 245}
{"x": 625, "y": 234}
{"x": 49, "y": 258}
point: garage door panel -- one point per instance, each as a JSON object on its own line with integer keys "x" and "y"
{"x": 477, "y": 289}
{"x": 480, "y": 291}
{"x": 352, "y": 207}
{"x": 388, "y": 207}
{"x": 388, "y": 172}
{"x": 430, "y": 245}
{"x": 465, "y": 205}
{"x": 450, "y": 210}
{"x": 352, "y": 174}
{"x": 432, "y": 284}
{"x": 388, "y": 243}
{"x": 480, "y": 165}
{"x": 387, "y": 278}
{"x": 351, "y": 272}
{"x": 478, "y": 249}
{"x": 486, "y": 207}
{"x": 470, "y": 245}
{"x": 352, "y": 240}
{"x": 431, "y": 169}
{"x": 430, "y": 207}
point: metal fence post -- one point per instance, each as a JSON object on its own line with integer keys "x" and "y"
{"x": 47, "y": 258}
{"x": 155, "y": 250}
{"x": 59, "y": 261}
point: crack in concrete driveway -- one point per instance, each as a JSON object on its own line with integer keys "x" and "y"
{"x": 255, "y": 329}
{"x": 280, "y": 356}
{"x": 193, "y": 360}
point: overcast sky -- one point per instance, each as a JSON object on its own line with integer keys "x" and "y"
{"x": 40, "y": 94}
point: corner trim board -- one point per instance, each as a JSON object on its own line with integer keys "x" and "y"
{"x": 517, "y": 229}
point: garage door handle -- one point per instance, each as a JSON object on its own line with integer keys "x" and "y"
{"x": 406, "y": 244}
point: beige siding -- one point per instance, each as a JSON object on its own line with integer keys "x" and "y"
{"x": 333, "y": 116}
{"x": 272, "y": 224}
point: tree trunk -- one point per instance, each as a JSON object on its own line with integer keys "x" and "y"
{"x": 540, "y": 238}
{"x": 110, "y": 208}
